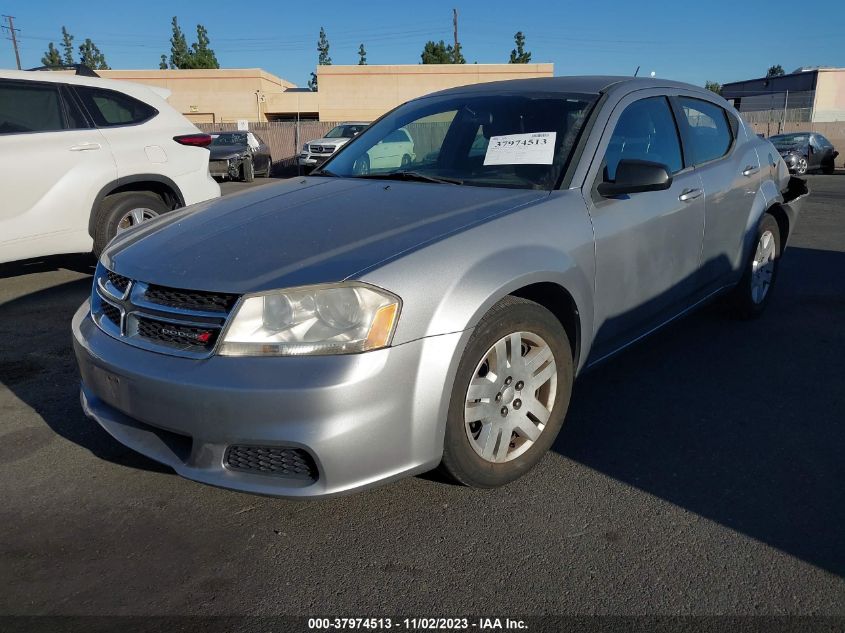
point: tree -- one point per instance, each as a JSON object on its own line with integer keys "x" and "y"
{"x": 436, "y": 53}
{"x": 90, "y": 55}
{"x": 52, "y": 57}
{"x": 775, "y": 71}
{"x": 323, "y": 58}
{"x": 67, "y": 45}
{"x": 519, "y": 55}
{"x": 362, "y": 56}
{"x": 713, "y": 86}
{"x": 163, "y": 63}
{"x": 179, "y": 52}
{"x": 202, "y": 55}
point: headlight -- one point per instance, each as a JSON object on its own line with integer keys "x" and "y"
{"x": 305, "y": 147}
{"x": 328, "y": 319}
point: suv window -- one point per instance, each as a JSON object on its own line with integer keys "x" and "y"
{"x": 109, "y": 108}
{"x": 645, "y": 131}
{"x": 397, "y": 136}
{"x": 710, "y": 132}
{"x": 29, "y": 107}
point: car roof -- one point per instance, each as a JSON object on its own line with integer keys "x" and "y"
{"x": 140, "y": 91}
{"x": 582, "y": 84}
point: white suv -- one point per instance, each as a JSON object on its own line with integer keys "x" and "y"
{"x": 82, "y": 158}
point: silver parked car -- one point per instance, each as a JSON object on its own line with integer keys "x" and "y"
{"x": 350, "y": 328}
{"x": 318, "y": 150}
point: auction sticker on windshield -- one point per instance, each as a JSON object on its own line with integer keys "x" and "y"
{"x": 534, "y": 148}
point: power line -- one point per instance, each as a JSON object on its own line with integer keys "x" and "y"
{"x": 11, "y": 28}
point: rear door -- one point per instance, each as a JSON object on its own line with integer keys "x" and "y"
{"x": 52, "y": 165}
{"x": 729, "y": 168}
{"x": 648, "y": 244}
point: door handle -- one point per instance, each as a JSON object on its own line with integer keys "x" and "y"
{"x": 750, "y": 170}
{"x": 689, "y": 194}
{"x": 84, "y": 147}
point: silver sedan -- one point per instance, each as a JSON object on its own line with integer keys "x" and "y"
{"x": 368, "y": 322}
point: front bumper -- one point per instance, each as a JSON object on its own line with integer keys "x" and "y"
{"x": 363, "y": 418}
{"x": 312, "y": 160}
{"x": 225, "y": 168}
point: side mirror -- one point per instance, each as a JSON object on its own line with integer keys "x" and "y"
{"x": 635, "y": 176}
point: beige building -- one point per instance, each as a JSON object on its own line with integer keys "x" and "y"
{"x": 345, "y": 92}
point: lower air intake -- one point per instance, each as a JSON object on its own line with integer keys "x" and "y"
{"x": 293, "y": 463}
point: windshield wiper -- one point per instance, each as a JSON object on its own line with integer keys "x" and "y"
{"x": 413, "y": 176}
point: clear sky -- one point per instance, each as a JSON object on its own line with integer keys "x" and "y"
{"x": 719, "y": 40}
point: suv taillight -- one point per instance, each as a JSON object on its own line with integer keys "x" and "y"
{"x": 196, "y": 140}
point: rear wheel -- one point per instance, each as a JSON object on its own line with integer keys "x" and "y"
{"x": 121, "y": 211}
{"x": 269, "y": 167}
{"x": 510, "y": 395}
{"x": 754, "y": 290}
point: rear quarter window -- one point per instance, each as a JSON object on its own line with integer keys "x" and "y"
{"x": 110, "y": 108}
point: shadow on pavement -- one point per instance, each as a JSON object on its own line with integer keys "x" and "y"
{"x": 740, "y": 422}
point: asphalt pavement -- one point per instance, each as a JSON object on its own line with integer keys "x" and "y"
{"x": 700, "y": 472}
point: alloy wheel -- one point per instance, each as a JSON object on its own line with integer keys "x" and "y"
{"x": 510, "y": 397}
{"x": 134, "y": 217}
{"x": 763, "y": 267}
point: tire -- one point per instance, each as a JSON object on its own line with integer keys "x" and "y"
{"x": 117, "y": 210}
{"x": 746, "y": 298}
{"x": 463, "y": 459}
{"x": 248, "y": 170}
{"x": 802, "y": 166}
{"x": 406, "y": 161}
{"x": 269, "y": 167}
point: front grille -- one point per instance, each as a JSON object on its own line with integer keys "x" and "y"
{"x": 293, "y": 463}
{"x": 190, "y": 299}
{"x": 322, "y": 149}
{"x": 182, "y": 336}
{"x": 118, "y": 281}
{"x": 111, "y": 313}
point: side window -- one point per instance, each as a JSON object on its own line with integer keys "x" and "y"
{"x": 823, "y": 142}
{"x": 645, "y": 131}
{"x": 710, "y": 132}
{"x": 75, "y": 118}
{"x": 397, "y": 136}
{"x": 816, "y": 142}
{"x": 110, "y": 108}
{"x": 26, "y": 107}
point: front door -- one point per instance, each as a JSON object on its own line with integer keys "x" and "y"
{"x": 648, "y": 244}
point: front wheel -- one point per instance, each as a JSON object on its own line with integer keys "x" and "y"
{"x": 247, "y": 170}
{"x": 801, "y": 167}
{"x": 754, "y": 290}
{"x": 510, "y": 395}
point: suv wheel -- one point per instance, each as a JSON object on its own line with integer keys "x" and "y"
{"x": 121, "y": 211}
{"x": 510, "y": 395}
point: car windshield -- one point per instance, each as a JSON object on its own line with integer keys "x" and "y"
{"x": 788, "y": 140}
{"x": 230, "y": 138}
{"x": 521, "y": 141}
{"x": 345, "y": 131}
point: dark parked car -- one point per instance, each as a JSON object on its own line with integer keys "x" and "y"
{"x": 239, "y": 156}
{"x": 804, "y": 151}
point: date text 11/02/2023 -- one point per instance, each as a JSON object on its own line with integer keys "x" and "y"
{"x": 418, "y": 624}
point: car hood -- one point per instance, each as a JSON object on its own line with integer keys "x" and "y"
{"x": 219, "y": 152}
{"x": 303, "y": 231}
{"x": 329, "y": 141}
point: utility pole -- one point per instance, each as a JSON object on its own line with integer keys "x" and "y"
{"x": 12, "y": 29}
{"x": 455, "y": 25}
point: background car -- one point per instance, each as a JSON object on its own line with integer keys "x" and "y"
{"x": 84, "y": 158}
{"x": 239, "y": 156}
{"x": 805, "y": 151}
{"x": 394, "y": 150}
{"x": 318, "y": 150}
